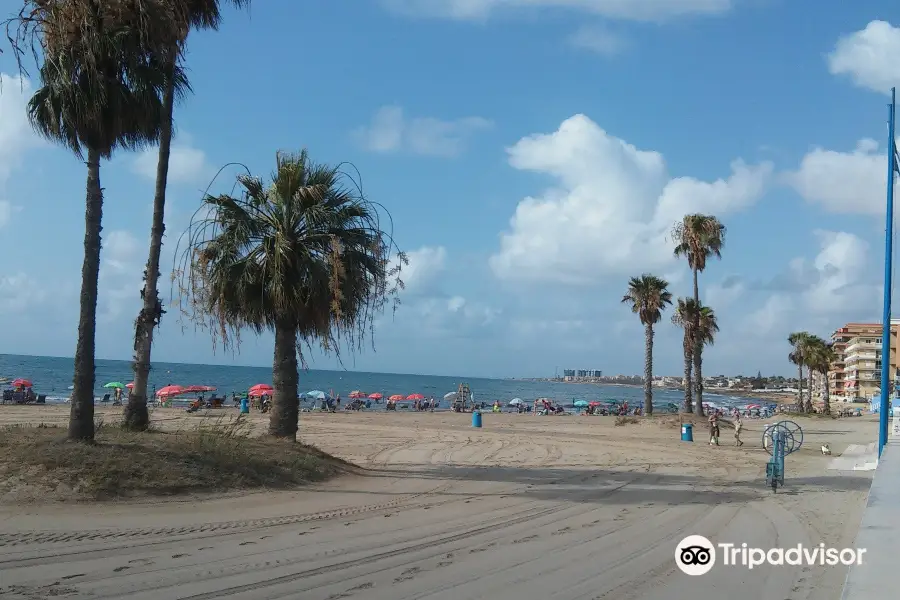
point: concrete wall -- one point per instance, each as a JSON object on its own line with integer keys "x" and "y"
{"x": 879, "y": 533}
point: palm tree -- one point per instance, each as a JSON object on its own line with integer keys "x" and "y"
{"x": 191, "y": 14}
{"x": 698, "y": 237}
{"x": 802, "y": 348}
{"x": 305, "y": 257}
{"x": 820, "y": 360}
{"x": 684, "y": 317}
{"x": 648, "y": 296}
{"x": 709, "y": 327}
{"x": 100, "y": 88}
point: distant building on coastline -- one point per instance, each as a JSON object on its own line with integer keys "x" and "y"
{"x": 581, "y": 374}
{"x": 856, "y": 371}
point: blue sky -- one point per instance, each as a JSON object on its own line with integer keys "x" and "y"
{"x": 533, "y": 155}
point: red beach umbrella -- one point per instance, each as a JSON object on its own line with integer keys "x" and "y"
{"x": 130, "y": 386}
{"x": 22, "y": 383}
{"x": 376, "y": 396}
{"x": 170, "y": 390}
{"x": 357, "y": 394}
{"x": 396, "y": 397}
{"x": 261, "y": 388}
{"x": 415, "y": 397}
{"x": 193, "y": 389}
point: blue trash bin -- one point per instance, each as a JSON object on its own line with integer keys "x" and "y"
{"x": 245, "y": 406}
{"x": 687, "y": 432}
{"x": 476, "y": 418}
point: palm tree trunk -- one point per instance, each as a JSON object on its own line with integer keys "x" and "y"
{"x": 826, "y": 401}
{"x": 285, "y": 380}
{"x": 800, "y": 386}
{"x": 136, "y": 415}
{"x": 688, "y": 366}
{"x": 698, "y": 348}
{"x": 648, "y": 370}
{"x": 81, "y": 414}
{"x": 809, "y": 390}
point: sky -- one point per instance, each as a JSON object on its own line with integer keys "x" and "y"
{"x": 533, "y": 155}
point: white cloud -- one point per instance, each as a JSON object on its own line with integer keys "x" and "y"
{"x": 16, "y": 133}
{"x": 844, "y": 182}
{"x": 722, "y": 295}
{"x": 769, "y": 319}
{"x": 613, "y": 208}
{"x": 844, "y": 282}
{"x": 837, "y": 285}
{"x": 870, "y": 57}
{"x": 599, "y": 40}
{"x": 120, "y": 276}
{"x": 391, "y": 131}
{"x": 187, "y": 164}
{"x": 19, "y": 292}
{"x": 424, "y": 269}
{"x": 637, "y": 10}
{"x": 120, "y": 250}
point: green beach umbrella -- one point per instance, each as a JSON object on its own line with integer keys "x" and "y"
{"x": 115, "y": 384}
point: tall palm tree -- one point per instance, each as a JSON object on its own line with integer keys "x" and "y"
{"x": 648, "y": 296}
{"x": 697, "y": 238}
{"x": 100, "y": 88}
{"x": 190, "y": 14}
{"x": 684, "y": 317}
{"x": 801, "y": 351}
{"x": 821, "y": 358}
{"x": 304, "y": 256}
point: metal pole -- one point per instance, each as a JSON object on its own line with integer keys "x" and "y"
{"x": 888, "y": 256}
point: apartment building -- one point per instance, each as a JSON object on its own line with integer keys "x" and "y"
{"x": 856, "y": 372}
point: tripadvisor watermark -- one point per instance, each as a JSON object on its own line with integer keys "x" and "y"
{"x": 696, "y": 555}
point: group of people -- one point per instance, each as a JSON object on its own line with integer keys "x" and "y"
{"x": 713, "y": 421}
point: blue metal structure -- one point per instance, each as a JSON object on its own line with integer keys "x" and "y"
{"x": 888, "y": 259}
{"x": 780, "y": 439}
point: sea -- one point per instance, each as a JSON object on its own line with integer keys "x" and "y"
{"x": 52, "y": 376}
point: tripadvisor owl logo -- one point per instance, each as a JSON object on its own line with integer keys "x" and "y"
{"x": 695, "y": 555}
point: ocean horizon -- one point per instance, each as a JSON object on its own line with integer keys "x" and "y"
{"x": 52, "y": 376}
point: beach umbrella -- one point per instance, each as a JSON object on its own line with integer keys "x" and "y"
{"x": 130, "y": 385}
{"x": 357, "y": 394}
{"x": 22, "y": 383}
{"x": 396, "y": 397}
{"x": 193, "y": 389}
{"x": 450, "y": 396}
{"x": 595, "y": 403}
{"x": 170, "y": 390}
{"x": 415, "y": 397}
{"x": 114, "y": 384}
{"x": 515, "y": 402}
{"x": 261, "y": 388}
{"x": 317, "y": 394}
{"x": 376, "y": 396}
{"x": 581, "y": 403}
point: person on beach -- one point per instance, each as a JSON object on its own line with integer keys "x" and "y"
{"x": 714, "y": 428}
{"x": 738, "y": 425}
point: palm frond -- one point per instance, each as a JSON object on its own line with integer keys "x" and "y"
{"x": 648, "y": 296}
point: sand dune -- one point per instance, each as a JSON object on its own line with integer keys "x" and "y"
{"x": 526, "y": 507}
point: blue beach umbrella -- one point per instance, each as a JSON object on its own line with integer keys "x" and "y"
{"x": 318, "y": 394}
{"x": 581, "y": 403}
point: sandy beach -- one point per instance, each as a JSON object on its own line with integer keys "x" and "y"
{"x": 526, "y": 507}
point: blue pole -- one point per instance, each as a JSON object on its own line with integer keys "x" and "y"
{"x": 888, "y": 256}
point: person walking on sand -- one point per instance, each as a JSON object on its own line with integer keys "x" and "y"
{"x": 738, "y": 425}
{"x": 713, "y": 429}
